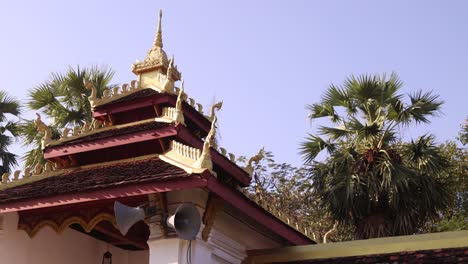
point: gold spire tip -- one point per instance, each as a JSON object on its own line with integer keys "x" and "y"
{"x": 158, "y": 39}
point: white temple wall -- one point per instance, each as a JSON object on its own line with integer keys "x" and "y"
{"x": 230, "y": 237}
{"x": 48, "y": 247}
{"x": 228, "y": 241}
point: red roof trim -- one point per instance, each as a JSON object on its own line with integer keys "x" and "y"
{"x": 235, "y": 199}
{"x": 113, "y": 141}
{"x": 188, "y": 111}
{"x": 106, "y": 194}
{"x": 130, "y": 105}
{"x": 246, "y": 206}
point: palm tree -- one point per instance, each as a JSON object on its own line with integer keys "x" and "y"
{"x": 371, "y": 179}
{"x": 8, "y": 131}
{"x": 64, "y": 101}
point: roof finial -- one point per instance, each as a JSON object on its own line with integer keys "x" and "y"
{"x": 178, "y": 115}
{"x": 158, "y": 39}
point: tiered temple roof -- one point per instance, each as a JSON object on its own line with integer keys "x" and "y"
{"x": 147, "y": 136}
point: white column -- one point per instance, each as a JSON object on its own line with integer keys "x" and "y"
{"x": 218, "y": 249}
{"x": 162, "y": 250}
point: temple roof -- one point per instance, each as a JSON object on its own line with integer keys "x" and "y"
{"x": 149, "y": 136}
{"x": 95, "y": 177}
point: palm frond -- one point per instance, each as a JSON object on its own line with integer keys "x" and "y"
{"x": 313, "y": 146}
{"x": 8, "y": 105}
{"x": 333, "y": 132}
{"x": 323, "y": 110}
{"x": 423, "y": 105}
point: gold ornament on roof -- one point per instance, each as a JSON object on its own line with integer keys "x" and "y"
{"x": 178, "y": 115}
{"x": 214, "y": 107}
{"x": 93, "y": 97}
{"x": 168, "y": 85}
{"x": 156, "y": 71}
{"x": 41, "y": 127}
{"x": 156, "y": 57}
{"x": 205, "y": 158}
{"x": 256, "y": 158}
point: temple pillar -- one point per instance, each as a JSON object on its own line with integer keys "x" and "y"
{"x": 218, "y": 248}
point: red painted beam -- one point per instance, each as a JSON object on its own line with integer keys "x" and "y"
{"x": 106, "y": 194}
{"x": 73, "y": 148}
{"x": 257, "y": 213}
{"x": 218, "y": 159}
{"x": 189, "y": 112}
{"x": 130, "y": 105}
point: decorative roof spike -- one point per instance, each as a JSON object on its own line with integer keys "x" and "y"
{"x": 115, "y": 91}
{"x": 212, "y": 109}
{"x": 232, "y": 157}
{"x": 41, "y": 127}
{"x": 16, "y": 175}
{"x": 49, "y": 166}
{"x": 38, "y": 169}
{"x": 106, "y": 93}
{"x": 168, "y": 85}
{"x": 205, "y": 158}
{"x": 199, "y": 108}
{"x": 191, "y": 102}
{"x": 96, "y": 124}
{"x": 86, "y": 127}
{"x": 257, "y": 158}
{"x": 27, "y": 172}
{"x": 76, "y": 130}
{"x": 93, "y": 97}
{"x": 178, "y": 115}
{"x": 133, "y": 85}
{"x": 223, "y": 151}
{"x": 158, "y": 39}
{"x": 124, "y": 88}
{"x": 5, "y": 178}
{"x": 65, "y": 133}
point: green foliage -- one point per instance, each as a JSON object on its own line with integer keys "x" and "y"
{"x": 8, "y": 130}
{"x": 64, "y": 101}
{"x": 464, "y": 133}
{"x": 371, "y": 180}
{"x": 288, "y": 190}
{"x": 455, "y": 177}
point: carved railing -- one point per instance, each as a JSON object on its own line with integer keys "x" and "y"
{"x": 186, "y": 151}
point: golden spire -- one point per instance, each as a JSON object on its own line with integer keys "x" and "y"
{"x": 155, "y": 62}
{"x": 158, "y": 39}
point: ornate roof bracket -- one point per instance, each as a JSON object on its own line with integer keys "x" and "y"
{"x": 214, "y": 107}
{"x": 213, "y": 206}
{"x": 93, "y": 97}
{"x": 174, "y": 114}
{"x": 178, "y": 115}
{"x": 204, "y": 161}
{"x": 42, "y": 128}
{"x": 169, "y": 81}
{"x": 256, "y": 158}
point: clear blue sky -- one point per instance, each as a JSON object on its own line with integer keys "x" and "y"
{"x": 265, "y": 59}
